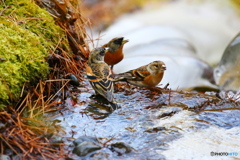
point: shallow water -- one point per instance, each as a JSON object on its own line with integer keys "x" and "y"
{"x": 155, "y": 125}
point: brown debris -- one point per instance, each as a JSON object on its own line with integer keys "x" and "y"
{"x": 68, "y": 16}
{"x": 27, "y": 136}
{"x": 24, "y": 128}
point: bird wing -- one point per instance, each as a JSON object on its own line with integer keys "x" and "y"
{"x": 101, "y": 80}
{"x": 138, "y": 74}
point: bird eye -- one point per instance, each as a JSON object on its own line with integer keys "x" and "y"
{"x": 118, "y": 41}
{"x": 155, "y": 66}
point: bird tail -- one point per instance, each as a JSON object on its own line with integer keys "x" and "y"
{"x": 119, "y": 78}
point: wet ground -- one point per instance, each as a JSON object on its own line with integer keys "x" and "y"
{"x": 150, "y": 124}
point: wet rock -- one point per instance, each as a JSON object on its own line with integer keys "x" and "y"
{"x": 4, "y": 157}
{"x": 73, "y": 80}
{"x": 83, "y": 139}
{"x": 85, "y": 148}
{"x": 227, "y": 73}
{"x": 121, "y": 148}
{"x": 85, "y": 145}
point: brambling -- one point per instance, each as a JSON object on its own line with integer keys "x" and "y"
{"x": 148, "y": 75}
{"x": 115, "y": 51}
{"x": 100, "y": 76}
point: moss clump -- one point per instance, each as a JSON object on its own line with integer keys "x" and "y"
{"x": 27, "y": 33}
{"x": 31, "y": 17}
{"x": 24, "y": 56}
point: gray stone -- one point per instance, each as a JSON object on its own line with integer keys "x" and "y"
{"x": 85, "y": 148}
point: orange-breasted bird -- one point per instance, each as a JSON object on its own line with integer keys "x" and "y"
{"x": 100, "y": 76}
{"x": 115, "y": 51}
{"x": 148, "y": 75}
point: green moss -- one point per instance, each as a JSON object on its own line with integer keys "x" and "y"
{"x": 27, "y": 33}
{"x": 24, "y": 54}
{"x": 35, "y": 19}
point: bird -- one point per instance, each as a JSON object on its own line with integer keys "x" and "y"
{"x": 100, "y": 76}
{"x": 149, "y": 75}
{"x": 115, "y": 51}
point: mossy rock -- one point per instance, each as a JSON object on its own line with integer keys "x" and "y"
{"x": 27, "y": 34}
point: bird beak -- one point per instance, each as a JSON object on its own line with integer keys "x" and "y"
{"x": 125, "y": 41}
{"x": 102, "y": 51}
{"x": 106, "y": 49}
{"x": 164, "y": 67}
